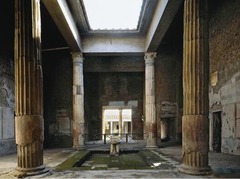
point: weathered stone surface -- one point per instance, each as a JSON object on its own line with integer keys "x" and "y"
{"x": 230, "y": 129}
{"x": 168, "y": 78}
{"x": 6, "y": 90}
{"x": 114, "y": 145}
{"x": 238, "y": 128}
{"x": 168, "y": 109}
{"x": 114, "y": 64}
{"x": 226, "y": 100}
{"x": 224, "y": 60}
{"x": 6, "y": 123}
{"x": 6, "y": 66}
{"x": 63, "y": 122}
{"x": 7, "y": 101}
{"x": 28, "y": 88}
{"x": 150, "y": 106}
{"x": 224, "y": 40}
{"x": 195, "y": 84}
{"x": 78, "y": 101}
{"x": 29, "y": 128}
{"x": 228, "y": 121}
{"x": 7, "y": 146}
{"x": 7, "y": 119}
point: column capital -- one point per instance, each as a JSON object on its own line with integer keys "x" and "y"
{"x": 77, "y": 57}
{"x": 149, "y": 57}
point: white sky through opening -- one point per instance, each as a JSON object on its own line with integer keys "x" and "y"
{"x": 113, "y": 14}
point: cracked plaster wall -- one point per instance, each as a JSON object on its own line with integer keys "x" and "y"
{"x": 224, "y": 93}
{"x": 7, "y": 133}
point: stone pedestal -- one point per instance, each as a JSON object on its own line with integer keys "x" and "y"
{"x": 28, "y": 88}
{"x": 195, "y": 125}
{"x": 150, "y": 106}
{"x": 114, "y": 145}
{"x": 78, "y": 101}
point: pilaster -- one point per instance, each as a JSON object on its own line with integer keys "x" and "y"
{"x": 150, "y": 106}
{"x": 195, "y": 125}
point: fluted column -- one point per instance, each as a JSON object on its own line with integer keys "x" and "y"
{"x": 78, "y": 101}
{"x": 150, "y": 107}
{"x": 195, "y": 89}
{"x": 28, "y": 88}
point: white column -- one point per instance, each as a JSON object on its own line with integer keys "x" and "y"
{"x": 78, "y": 101}
{"x": 111, "y": 127}
{"x": 150, "y": 107}
{"x": 120, "y": 126}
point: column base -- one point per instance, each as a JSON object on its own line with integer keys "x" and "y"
{"x": 79, "y": 148}
{"x": 22, "y": 172}
{"x": 195, "y": 170}
{"x": 151, "y": 147}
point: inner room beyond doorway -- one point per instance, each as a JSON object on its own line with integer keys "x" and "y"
{"x": 116, "y": 120}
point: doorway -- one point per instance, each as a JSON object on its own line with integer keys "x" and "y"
{"x": 116, "y": 120}
{"x": 217, "y": 131}
{"x": 168, "y": 131}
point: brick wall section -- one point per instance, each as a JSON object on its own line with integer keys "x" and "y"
{"x": 57, "y": 84}
{"x": 107, "y": 89}
{"x": 168, "y": 74}
{"x": 224, "y": 38}
{"x": 165, "y": 74}
{"x": 224, "y": 48}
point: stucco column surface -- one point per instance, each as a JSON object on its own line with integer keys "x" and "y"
{"x": 120, "y": 126}
{"x": 150, "y": 106}
{"x": 28, "y": 88}
{"x": 195, "y": 120}
{"x": 78, "y": 101}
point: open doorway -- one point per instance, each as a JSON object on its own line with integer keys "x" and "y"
{"x": 217, "y": 132}
{"x": 168, "y": 131}
{"x": 116, "y": 120}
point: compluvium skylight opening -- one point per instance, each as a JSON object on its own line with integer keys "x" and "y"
{"x": 113, "y": 14}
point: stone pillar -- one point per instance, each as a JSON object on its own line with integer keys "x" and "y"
{"x": 120, "y": 123}
{"x": 28, "y": 88}
{"x": 111, "y": 126}
{"x": 195, "y": 125}
{"x": 150, "y": 107}
{"x": 78, "y": 101}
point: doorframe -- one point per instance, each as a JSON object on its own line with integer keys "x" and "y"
{"x": 114, "y": 107}
{"x": 211, "y": 117}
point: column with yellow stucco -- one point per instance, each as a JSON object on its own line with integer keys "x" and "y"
{"x": 195, "y": 120}
{"x": 28, "y": 88}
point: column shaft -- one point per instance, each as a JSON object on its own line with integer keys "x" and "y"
{"x": 150, "y": 107}
{"x": 78, "y": 101}
{"x": 120, "y": 123}
{"x": 195, "y": 88}
{"x": 28, "y": 88}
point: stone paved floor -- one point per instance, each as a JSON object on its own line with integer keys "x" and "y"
{"x": 223, "y": 165}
